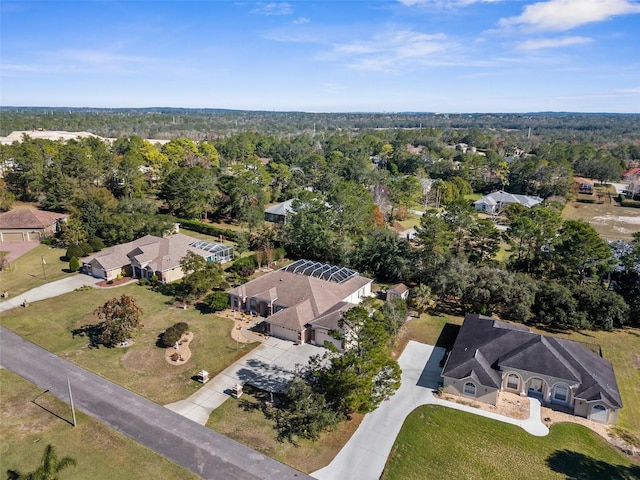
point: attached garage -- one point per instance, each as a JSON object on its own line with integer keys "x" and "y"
{"x": 599, "y": 413}
{"x": 12, "y": 237}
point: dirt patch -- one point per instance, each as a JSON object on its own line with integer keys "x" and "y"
{"x": 609, "y": 219}
{"x": 181, "y": 354}
{"x": 509, "y": 404}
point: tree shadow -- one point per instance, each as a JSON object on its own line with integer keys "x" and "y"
{"x": 577, "y": 466}
{"x": 92, "y": 331}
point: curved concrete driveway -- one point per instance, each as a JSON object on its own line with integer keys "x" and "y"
{"x": 365, "y": 455}
{"x": 49, "y": 290}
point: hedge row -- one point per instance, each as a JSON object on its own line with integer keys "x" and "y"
{"x": 630, "y": 203}
{"x": 208, "y": 229}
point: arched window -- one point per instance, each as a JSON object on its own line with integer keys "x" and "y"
{"x": 513, "y": 381}
{"x": 469, "y": 389}
{"x": 561, "y": 393}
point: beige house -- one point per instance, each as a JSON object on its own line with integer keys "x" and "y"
{"x": 490, "y": 356}
{"x": 398, "y": 291}
{"x": 150, "y": 255}
{"x": 29, "y": 224}
{"x": 302, "y": 302}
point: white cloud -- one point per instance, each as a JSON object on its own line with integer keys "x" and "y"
{"x": 273, "y": 8}
{"x": 301, "y": 20}
{"x": 540, "y": 43}
{"x": 559, "y": 15}
{"x": 444, "y": 3}
{"x": 386, "y": 51}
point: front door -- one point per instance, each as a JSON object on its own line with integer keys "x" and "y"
{"x": 535, "y": 387}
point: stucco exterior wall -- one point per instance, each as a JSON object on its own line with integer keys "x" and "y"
{"x": 356, "y": 297}
{"x": 549, "y": 385}
{"x": 483, "y": 394}
{"x": 23, "y": 235}
{"x": 172, "y": 275}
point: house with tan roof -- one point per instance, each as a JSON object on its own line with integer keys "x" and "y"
{"x": 489, "y": 357}
{"x": 151, "y": 255}
{"x": 304, "y": 301}
{"x": 29, "y": 224}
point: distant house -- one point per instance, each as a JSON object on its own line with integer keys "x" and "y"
{"x": 151, "y": 255}
{"x": 496, "y": 202}
{"x": 304, "y": 301}
{"x": 490, "y": 356}
{"x": 631, "y": 174}
{"x": 398, "y": 291}
{"x": 278, "y": 213}
{"x": 29, "y": 224}
{"x": 583, "y": 185}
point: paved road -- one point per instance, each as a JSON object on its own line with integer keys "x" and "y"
{"x": 365, "y": 454}
{"x": 181, "y": 440}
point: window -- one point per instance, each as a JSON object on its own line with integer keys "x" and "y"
{"x": 513, "y": 381}
{"x": 561, "y": 393}
{"x": 469, "y": 389}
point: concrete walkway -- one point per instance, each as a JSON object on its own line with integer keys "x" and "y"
{"x": 269, "y": 367}
{"x": 365, "y": 455}
{"x": 49, "y": 290}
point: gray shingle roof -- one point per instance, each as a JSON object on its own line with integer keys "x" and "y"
{"x": 485, "y": 346}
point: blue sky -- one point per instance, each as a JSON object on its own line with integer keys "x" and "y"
{"x": 324, "y": 55}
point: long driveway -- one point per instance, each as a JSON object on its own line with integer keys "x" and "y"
{"x": 365, "y": 454}
{"x": 49, "y": 290}
{"x": 181, "y": 440}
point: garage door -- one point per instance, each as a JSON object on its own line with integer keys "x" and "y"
{"x": 12, "y": 237}
{"x": 599, "y": 414}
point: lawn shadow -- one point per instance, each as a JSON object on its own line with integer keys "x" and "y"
{"x": 577, "y": 466}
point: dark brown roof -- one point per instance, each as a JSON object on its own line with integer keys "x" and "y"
{"x": 29, "y": 218}
{"x": 486, "y": 346}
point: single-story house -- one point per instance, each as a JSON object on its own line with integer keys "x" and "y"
{"x": 495, "y": 202}
{"x": 631, "y": 174}
{"x": 151, "y": 255}
{"x": 29, "y": 224}
{"x": 490, "y": 356}
{"x": 304, "y": 301}
{"x": 398, "y": 291}
{"x": 583, "y": 185}
{"x": 278, "y": 213}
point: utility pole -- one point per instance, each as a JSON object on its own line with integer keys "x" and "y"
{"x": 73, "y": 410}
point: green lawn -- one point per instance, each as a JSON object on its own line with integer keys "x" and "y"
{"x": 244, "y": 421}
{"x": 26, "y": 271}
{"x": 101, "y": 453}
{"x": 140, "y": 367}
{"x": 441, "y": 443}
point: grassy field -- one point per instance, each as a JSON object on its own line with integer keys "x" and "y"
{"x": 101, "y": 453}
{"x": 440, "y": 443}
{"x": 140, "y": 367}
{"x": 245, "y": 422}
{"x": 26, "y": 272}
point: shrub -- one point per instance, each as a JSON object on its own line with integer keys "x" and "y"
{"x": 87, "y": 249}
{"x": 73, "y": 251}
{"x": 96, "y": 244}
{"x": 280, "y": 254}
{"x": 207, "y": 229}
{"x": 216, "y": 301}
{"x": 74, "y": 264}
{"x": 244, "y": 266}
{"x": 173, "y": 334}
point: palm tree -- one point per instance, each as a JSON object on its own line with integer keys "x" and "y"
{"x": 48, "y": 469}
